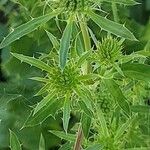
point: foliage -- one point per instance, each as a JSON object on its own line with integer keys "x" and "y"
{"x": 75, "y": 61}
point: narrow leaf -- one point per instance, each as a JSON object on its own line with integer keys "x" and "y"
{"x": 66, "y": 146}
{"x": 42, "y": 143}
{"x": 111, "y": 26}
{"x": 86, "y": 124}
{"x": 65, "y": 44}
{"x": 63, "y": 135}
{"x": 48, "y": 99}
{"x": 14, "y": 142}
{"x": 40, "y": 79}
{"x": 117, "y": 94}
{"x": 32, "y": 61}
{"x": 66, "y": 113}
{"x": 27, "y": 28}
{"x": 53, "y": 39}
{"x": 137, "y": 71}
{"x": 124, "y": 2}
{"x": 94, "y": 147}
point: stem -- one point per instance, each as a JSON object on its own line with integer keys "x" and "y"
{"x": 79, "y": 139}
{"x": 86, "y": 39}
{"x": 115, "y": 12}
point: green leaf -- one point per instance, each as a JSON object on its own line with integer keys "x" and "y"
{"x": 86, "y": 124}
{"x": 63, "y": 135}
{"x": 140, "y": 109}
{"x": 40, "y": 79}
{"x": 65, "y": 44}
{"x": 66, "y": 113}
{"x": 138, "y": 148}
{"x": 103, "y": 124}
{"x": 124, "y": 2}
{"x": 48, "y": 99}
{"x": 27, "y": 28}
{"x": 122, "y": 129}
{"x": 136, "y": 71}
{"x": 94, "y": 147}
{"x": 66, "y": 146}
{"x": 111, "y": 26}
{"x": 53, "y": 39}
{"x": 42, "y": 143}
{"x": 14, "y": 142}
{"x": 85, "y": 108}
{"x": 117, "y": 94}
{"x": 43, "y": 114}
{"x": 32, "y": 61}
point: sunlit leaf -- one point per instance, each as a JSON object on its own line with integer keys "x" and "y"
{"x": 42, "y": 143}
{"x": 14, "y": 142}
{"x": 94, "y": 147}
{"x": 27, "y": 28}
{"x": 124, "y": 2}
{"x": 110, "y": 26}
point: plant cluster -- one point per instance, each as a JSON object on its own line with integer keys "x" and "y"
{"x": 90, "y": 77}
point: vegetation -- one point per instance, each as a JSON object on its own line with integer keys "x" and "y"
{"x": 75, "y": 75}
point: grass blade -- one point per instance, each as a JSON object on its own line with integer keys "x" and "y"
{"x": 42, "y": 143}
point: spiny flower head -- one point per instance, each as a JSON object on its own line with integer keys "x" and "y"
{"x": 65, "y": 80}
{"x": 108, "y": 51}
{"x": 71, "y": 5}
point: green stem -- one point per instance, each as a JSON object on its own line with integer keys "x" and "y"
{"x": 115, "y": 12}
{"x": 87, "y": 41}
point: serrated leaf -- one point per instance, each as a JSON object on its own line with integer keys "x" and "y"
{"x": 85, "y": 109}
{"x": 66, "y": 113}
{"x": 83, "y": 58}
{"x": 66, "y": 146}
{"x": 140, "y": 109}
{"x": 124, "y": 2}
{"x": 94, "y": 147}
{"x": 40, "y": 79}
{"x": 136, "y": 71}
{"x": 86, "y": 124}
{"x": 53, "y": 39}
{"x": 43, "y": 114}
{"x": 42, "y": 143}
{"x": 48, "y": 99}
{"x": 63, "y": 135}
{"x": 111, "y": 26}
{"x": 117, "y": 94}
{"x": 103, "y": 124}
{"x": 65, "y": 44}
{"x": 32, "y": 61}
{"x": 14, "y": 142}
{"x": 27, "y": 28}
{"x": 122, "y": 129}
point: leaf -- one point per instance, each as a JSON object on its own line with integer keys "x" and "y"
{"x": 86, "y": 110}
{"x": 42, "y": 143}
{"x": 53, "y": 39}
{"x": 117, "y": 94}
{"x": 66, "y": 146}
{"x": 83, "y": 58}
{"x": 43, "y": 114}
{"x": 14, "y": 142}
{"x": 103, "y": 124}
{"x": 88, "y": 77}
{"x": 48, "y": 99}
{"x": 111, "y": 26}
{"x": 40, "y": 79}
{"x": 140, "y": 109}
{"x": 94, "y": 147}
{"x": 124, "y": 2}
{"x": 32, "y": 61}
{"x": 66, "y": 113}
{"x": 138, "y": 148}
{"x": 63, "y": 135}
{"x": 86, "y": 124}
{"x": 65, "y": 44}
{"x": 27, "y": 28}
{"x": 137, "y": 71}
{"x": 121, "y": 130}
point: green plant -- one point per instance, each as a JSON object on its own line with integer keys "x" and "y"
{"x": 93, "y": 78}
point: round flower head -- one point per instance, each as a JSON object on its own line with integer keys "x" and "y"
{"x": 108, "y": 51}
